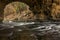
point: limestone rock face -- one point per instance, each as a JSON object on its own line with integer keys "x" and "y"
{"x": 56, "y": 12}
{"x": 17, "y": 11}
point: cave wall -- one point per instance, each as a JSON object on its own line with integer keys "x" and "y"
{"x": 35, "y": 5}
